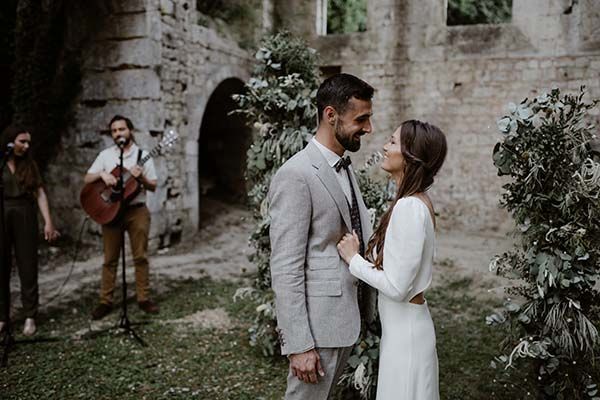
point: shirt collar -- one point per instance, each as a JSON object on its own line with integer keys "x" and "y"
{"x": 331, "y": 157}
{"x": 132, "y": 150}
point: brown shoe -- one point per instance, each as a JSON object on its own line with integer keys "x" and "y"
{"x": 148, "y": 306}
{"x": 101, "y": 311}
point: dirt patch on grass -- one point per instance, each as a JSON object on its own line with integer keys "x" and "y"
{"x": 216, "y": 318}
{"x": 220, "y": 250}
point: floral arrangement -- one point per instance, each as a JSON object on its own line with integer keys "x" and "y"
{"x": 279, "y": 103}
{"x": 553, "y": 193}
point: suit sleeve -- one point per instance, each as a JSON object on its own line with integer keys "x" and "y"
{"x": 290, "y": 210}
{"x": 402, "y": 253}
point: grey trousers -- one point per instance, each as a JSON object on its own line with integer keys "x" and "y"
{"x": 333, "y": 361}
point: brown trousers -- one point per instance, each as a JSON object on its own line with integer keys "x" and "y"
{"x": 136, "y": 222}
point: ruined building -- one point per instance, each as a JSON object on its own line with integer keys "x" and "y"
{"x": 155, "y": 62}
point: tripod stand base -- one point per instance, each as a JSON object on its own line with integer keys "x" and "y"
{"x": 126, "y": 326}
{"x": 8, "y": 341}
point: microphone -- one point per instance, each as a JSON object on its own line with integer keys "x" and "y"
{"x": 121, "y": 141}
{"x": 9, "y": 149}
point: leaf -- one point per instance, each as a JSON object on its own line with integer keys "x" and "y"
{"x": 353, "y": 361}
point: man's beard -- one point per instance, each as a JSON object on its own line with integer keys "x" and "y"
{"x": 347, "y": 139}
{"x": 127, "y": 140}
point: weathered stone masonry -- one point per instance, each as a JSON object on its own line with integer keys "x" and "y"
{"x": 154, "y": 63}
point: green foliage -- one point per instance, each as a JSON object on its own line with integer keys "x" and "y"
{"x": 279, "y": 103}
{"x": 8, "y": 10}
{"x": 469, "y": 12}
{"x": 553, "y": 194}
{"x": 236, "y": 18}
{"x": 46, "y": 66}
{"x": 345, "y": 16}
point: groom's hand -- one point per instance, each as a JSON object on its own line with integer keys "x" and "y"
{"x": 305, "y": 366}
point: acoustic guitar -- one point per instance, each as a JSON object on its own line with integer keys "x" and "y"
{"x": 103, "y": 203}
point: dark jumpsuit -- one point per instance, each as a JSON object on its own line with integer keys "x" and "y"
{"x": 20, "y": 217}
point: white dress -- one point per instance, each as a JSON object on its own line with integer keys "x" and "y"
{"x": 408, "y": 363}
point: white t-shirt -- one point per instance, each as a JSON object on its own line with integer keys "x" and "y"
{"x": 108, "y": 159}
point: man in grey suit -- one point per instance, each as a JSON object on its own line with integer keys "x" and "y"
{"x": 314, "y": 200}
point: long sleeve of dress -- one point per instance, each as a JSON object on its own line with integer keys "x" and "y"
{"x": 402, "y": 253}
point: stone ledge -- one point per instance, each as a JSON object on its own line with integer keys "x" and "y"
{"x": 131, "y": 6}
{"x": 136, "y": 53}
{"x": 122, "y": 84}
{"x": 146, "y": 115}
{"x": 482, "y": 40}
{"x": 133, "y": 26}
{"x": 212, "y": 40}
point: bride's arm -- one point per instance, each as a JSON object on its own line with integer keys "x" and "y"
{"x": 401, "y": 254}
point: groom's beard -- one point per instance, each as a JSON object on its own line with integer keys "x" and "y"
{"x": 350, "y": 141}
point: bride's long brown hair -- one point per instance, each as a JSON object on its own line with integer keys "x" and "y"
{"x": 424, "y": 150}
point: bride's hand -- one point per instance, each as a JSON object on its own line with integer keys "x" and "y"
{"x": 348, "y": 247}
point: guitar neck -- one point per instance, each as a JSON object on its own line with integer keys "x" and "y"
{"x": 153, "y": 153}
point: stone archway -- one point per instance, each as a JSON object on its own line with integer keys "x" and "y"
{"x": 222, "y": 145}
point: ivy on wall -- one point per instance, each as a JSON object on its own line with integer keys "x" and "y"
{"x": 44, "y": 60}
{"x": 470, "y": 12}
{"x": 345, "y": 16}
{"x": 8, "y": 10}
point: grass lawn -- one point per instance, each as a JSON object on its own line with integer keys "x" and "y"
{"x": 183, "y": 361}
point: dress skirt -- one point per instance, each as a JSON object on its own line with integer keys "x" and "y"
{"x": 408, "y": 362}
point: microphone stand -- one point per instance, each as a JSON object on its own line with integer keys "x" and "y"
{"x": 8, "y": 339}
{"x": 124, "y": 322}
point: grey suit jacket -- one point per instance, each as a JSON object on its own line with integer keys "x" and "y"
{"x": 315, "y": 294}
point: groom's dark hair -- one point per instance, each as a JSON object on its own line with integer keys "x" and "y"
{"x": 337, "y": 90}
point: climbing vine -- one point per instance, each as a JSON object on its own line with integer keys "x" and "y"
{"x": 45, "y": 66}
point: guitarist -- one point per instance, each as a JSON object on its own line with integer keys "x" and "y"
{"x": 134, "y": 217}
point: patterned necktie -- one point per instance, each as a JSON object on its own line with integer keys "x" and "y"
{"x": 344, "y": 163}
{"x": 357, "y": 227}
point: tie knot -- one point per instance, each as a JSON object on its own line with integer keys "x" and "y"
{"x": 343, "y": 162}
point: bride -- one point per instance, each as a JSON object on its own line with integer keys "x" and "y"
{"x": 400, "y": 262}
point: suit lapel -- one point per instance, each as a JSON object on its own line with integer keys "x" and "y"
{"x": 325, "y": 174}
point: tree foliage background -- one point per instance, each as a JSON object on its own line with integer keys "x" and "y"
{"x": 553, "y": 193}
{"x": 469, "y": 12}
{"x": 344, "y": 16}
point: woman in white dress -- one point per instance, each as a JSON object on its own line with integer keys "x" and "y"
{"x": 400, "y": 260}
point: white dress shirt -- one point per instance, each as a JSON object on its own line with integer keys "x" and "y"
{"x": 341, "y": 176}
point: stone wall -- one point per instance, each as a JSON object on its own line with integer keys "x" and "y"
{"x": 461, "y": 78}
{"x": 153, "y": 62}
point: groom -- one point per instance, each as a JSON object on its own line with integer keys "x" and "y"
{"x": 314, "y": 200}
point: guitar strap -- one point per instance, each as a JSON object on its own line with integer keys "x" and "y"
{"x": 139, "y": 156}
